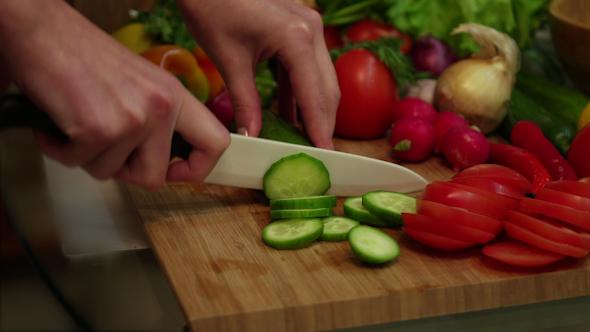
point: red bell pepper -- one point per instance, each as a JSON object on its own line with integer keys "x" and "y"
{"x": 579, "y": 153}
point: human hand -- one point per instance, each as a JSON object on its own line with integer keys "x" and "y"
{"x": 239, "y": 34}
{"x": 118, "y": 109}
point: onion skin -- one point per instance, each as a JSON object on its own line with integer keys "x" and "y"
{"x": 476, "y": 89}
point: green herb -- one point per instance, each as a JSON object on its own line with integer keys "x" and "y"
{"x": 387, "y": 49}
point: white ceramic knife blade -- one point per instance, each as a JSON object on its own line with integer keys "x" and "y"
{"x": 247, "y": 159}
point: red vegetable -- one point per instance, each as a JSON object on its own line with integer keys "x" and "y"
{"x": 450, "y": 230}
{"x": 520, "y": 254}
{"x": 221, "y": 106}
{"x": 578, "y": 155}
{"x": 499, "y": 173}
{"x": 432, "y": 55}
{"x": 437, "y": 241}
{"x": 465, "y": 147}
{"x": 332, "y": 37}
{"x": 442, "y": 122}
{"x": 412, "y": 139}
{"x": 494, "y": 186}
{"x": 560, "y": 212}
{"x": 519, "y": 233}
{"x": 572, "y": 187}
{"x": 565, "y": 199}
{"x": 368, "y": 91}
{"x": 528, "y": 136}
{"x": 522, "y": 161}
{"x": 412, "y": 107}
{"x": 458, "y": 216}
{"x": 367, "y": 30}
{"x": 507, "y": 202}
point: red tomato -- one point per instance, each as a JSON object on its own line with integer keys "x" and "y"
{"x": 368, "y": 91}
{"x": 446, "y": 229}
{"x": 551, "y": 229}
{"x": 463, "y": 199}
{"x": 556, "y": 211}
{"x": 496, "y": 172}
{"x": 558, "y": 197}
{"x": 367, "y": 30}
{"x": 520, "y": 254}
{"x": 507, "y": 202}
{"x": 437, "y": 241}
{"x": 332, "y": 37}
{"x": 519, "y": 233}
{"x": 578, "y": 155}
{"x": 570, "y": 187}
{"x": 458, "y": 216}
{"x": 493, "y": 186}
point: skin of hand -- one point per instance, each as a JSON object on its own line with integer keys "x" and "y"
{"x": 238, "y": 34}
{"x": 118, "y": 109}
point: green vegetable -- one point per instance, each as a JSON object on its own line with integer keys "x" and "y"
{"x": 309, "y": 202}
{"x": 353, "y": 207}
{"x": 556, "y": 99}
{"x": 523, "y": 108}
{"x": 165, "y": 23}
{"x": 389, "y": 205}
{"x": 538, "y": 62}
{"x": 298, "y": 175}
{"x": 276, "y": 128}
{"x": 265, "y": 83}
{"x": 372, "y": 245}
{"x": 336, "y": 228}
{"x": 292, "y": 233}
{"x": 301, "y": 213}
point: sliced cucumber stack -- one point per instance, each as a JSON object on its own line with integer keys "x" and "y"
{"x": 353, "y": 207}
{"x": 336, "y": 228}
{"x": 297, "y": 175}
{"x": 389, "y": 205}
{"x": 309, "y": 202}
{"x": 373, "y": 246}
{"x": 292, "y": 233}
{"x": 301, "y": 213}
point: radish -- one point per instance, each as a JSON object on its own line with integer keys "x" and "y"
{"x": 412, "y": 139}
{"x": 412, "y": 106}
{"x": 465, "y": 147}
{"x": 442, "y": 123}
{"x": 220, "y": 105}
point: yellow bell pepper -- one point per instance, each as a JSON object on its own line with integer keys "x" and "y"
{"x": 134, "y": 37}
{"x": 181, "y": 62}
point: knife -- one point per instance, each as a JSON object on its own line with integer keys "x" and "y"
{"x": 247, "y": 159}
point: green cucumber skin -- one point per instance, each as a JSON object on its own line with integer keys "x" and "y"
{"x": 562, "y": 102}
{"x": 293, "y": 244}
{"x": 270, "y": 180}
{"x": 301, "y": 213}
{"x": 523, "y": 108}
{"x": 393, "y": 217}
{"x": 369, "y": 257}
{"x": 364, "y": 216}
{"x": 307, "y": 202}
{"x": 278, "y": 129}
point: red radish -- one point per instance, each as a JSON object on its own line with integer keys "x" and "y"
{"x": 412, "y": 139}
{"x": 220, "y": 105}
{"x": 412, "y": 106}
{"x": 464, "y": 147}
{"x": 442, "y": 122}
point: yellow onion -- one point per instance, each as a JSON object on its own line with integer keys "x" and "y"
{"x": 478, "y": 87}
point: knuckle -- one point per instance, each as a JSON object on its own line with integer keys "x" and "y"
{"x": 315, "y": 18}
{"x": 301, "y": 30}
{"x": 161, "y": 103}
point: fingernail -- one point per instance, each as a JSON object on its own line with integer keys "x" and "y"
{"x": 243, "y": 131}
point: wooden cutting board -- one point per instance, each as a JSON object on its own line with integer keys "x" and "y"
{"x": 207, "y": 239}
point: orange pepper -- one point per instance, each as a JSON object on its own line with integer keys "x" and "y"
{"x": 179, "y": 61}
{"x": 214, "y": 78}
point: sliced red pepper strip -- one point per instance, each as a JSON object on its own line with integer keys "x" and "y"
{"x": 529, "y": 136}
{"x": 522, "y": 161}
{"x": 214, "y": 78}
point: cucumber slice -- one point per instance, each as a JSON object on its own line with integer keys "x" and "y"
{"x": 336, "y": 228}
{"x": 353, "y": 207}
{"x": 301, "y": 213}
{"x": 389, "y": 205}
{"x": 297, "y": 175}
{"x": 372, "y": 245}
{"x": 309, "y": 202}
{"x": 292, "y": 233}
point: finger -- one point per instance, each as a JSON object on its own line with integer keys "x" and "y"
{"x": 286, "y": 101}
{"x": 107, "y": 164}
{"x": 241, "y": 86}
{"x": 209, "y": 138}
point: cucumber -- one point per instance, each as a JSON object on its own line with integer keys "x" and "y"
{"x": 556, "y": 99}
{"x": 309, "y": 202}
{"x": 336, "y": 228}
{"x": 301, "y": 213}
{"x": 276, "y": 128}
{"x": 292, "y": 233}
{"x": 389, "y": 205}
{"x": 297, "y": 175}
{"x": 373, "y": 246}
{"x": 353, "y": 207}
{"x": 522, "y": 108}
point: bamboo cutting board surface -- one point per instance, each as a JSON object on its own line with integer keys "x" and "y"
{"x": 207, "y": 239}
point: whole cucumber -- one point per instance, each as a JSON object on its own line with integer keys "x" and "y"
{"x": 523, "y": 108}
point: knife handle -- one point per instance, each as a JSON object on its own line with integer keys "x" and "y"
{"x": 17, "y": 110}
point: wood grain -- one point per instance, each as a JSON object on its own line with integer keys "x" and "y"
{"x": 207, "y": 239}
